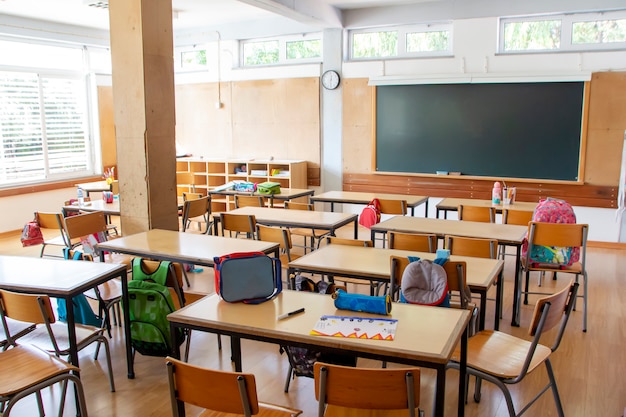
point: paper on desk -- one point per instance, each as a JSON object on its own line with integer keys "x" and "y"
{"x": 356, "y": 327}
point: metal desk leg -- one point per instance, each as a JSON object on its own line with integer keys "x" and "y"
{"x": 463, "y": 374}
{"x": 499, "y": 293}
{"x": 515, "y": 320}
{"x": 440, "y": 392}
{"x": 235, "y": 352}
{"x": 126, "y": 318}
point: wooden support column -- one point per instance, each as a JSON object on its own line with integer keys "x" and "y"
{"x": 143, "y": 101}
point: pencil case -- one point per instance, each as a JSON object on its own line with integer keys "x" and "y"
{"x": 365, "y": 303}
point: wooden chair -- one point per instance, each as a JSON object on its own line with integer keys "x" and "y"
{"x": 477, "y": 214}
{"x": 344, "y": 390}
{"x": 27, "y": 370}
{"x": 468, "y": 246}
{"x": 87, "y": 224}
{"x": 281, "y": 236}
{"x": 392, "y": 207}
{"x": 504, "y": 359}
{"x": 237, "y": 223}
{"x": 52, "y": 223}
{"x": 315, "y": 235}
{"x": 197, "y": 210}
{"x": 248, "y": 201}
{"x": 220, "y": 393}
{"x": 558, "y": 235}
{"x": 52, "y": 335}
{"x": 413, "y": 241}
{"x": 512, "y": 216}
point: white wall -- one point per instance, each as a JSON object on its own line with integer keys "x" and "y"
{"x": 474, "y": 52}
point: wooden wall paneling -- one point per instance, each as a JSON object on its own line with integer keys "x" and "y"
{"x": 107, "y": 126}
{"x": 357, "y": 125}
{"x": 201, "y": 128}
{"x": 279, "y": 118}
{"x": 606, "y": 126}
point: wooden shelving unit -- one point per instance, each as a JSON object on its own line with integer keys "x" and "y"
{"x": 203, "y": 175}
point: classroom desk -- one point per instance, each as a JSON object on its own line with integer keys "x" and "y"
{"x": 323, "y": 220}
{"x": 109, "y": 209}
{"x": 286, "y": 194}
{"x": 180, "y": 247}
{"x": 452, "y": 204}
{"x": 60, "y": 279}
{"x": 355, "y": 197}
{"x": 373, "y": 264}
{"x": 93, "y": 187}
{"x": 425, "y": 336}
{"x": 506, "y": 234}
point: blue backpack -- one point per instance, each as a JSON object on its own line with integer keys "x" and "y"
{"x": 83, "y": 313}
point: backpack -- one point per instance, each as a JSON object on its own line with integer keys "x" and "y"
{"x": 425, "y": 282}
{"x": 83, "y": 313}
{"x": 31, "y": 234}
{"x": 249, "y": 277}
{"x": 552, "y": 210}
{"x": 302, "y": 359}
{"x": 149, "y": 303}
{"x": 370, "y": 215}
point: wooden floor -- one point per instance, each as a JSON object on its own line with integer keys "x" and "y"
{"x": 589, "y": 367}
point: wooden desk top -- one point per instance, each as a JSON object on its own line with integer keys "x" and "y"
{"x": 356, "y": 197}
{"x": 112, "y": 209}
{"x": 452, "y": 204}
{"x": 285, "y": 193}
{"x": 54, "y": 277}
{"x": 505, "y": 233}
{"x": 427, "y": 334}
{"x": 183, "y": 247}
{"x": 374, "y": 263}
{"x": 92, "y": 187}
{"x": 298, "y": 218}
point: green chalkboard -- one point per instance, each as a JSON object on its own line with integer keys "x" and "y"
{"x": 513, "y": 130}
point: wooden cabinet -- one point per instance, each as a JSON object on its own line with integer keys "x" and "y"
{"x": 203, "y": 175}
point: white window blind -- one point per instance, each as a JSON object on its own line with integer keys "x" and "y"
{"x": 43, "y": 128}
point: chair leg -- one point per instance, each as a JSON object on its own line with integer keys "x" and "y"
{"x": 555, "y": 391}
{"x": 105, "y": 342}
{"x": 186, "y": 277}
{"x": 289, "y": 376}
{"x": 526, "y": 287}
{"x": 187, "y": 343}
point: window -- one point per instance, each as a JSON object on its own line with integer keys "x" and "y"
{"x": 401, "y": 41}
{"x": 572, "y": 32}
{"x": 44, "y": 123}
{"x": 280, "y": 51}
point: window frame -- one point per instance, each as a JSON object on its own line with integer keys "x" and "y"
{"x": 282, "y": 49}
{"x": 403, "y": 31}
{"x": 84, "y": 79}
{"x": 567, "y": 24}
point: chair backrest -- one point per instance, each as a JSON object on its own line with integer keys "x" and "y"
{"x": 471, "y": 246}
{"x": 248, "y": 201}
{"x": 413, "y": 241}
{"x": 366, "y": 388}
{"x": 174, "y": 279}
{"x": 291, "y": 205}
{"x": 274, "y": 234}
{"x": 238, "y": 223}
{"x": 348, "y": 242}
{"x": 196, "y": 208}
{"x": 477, "y": 214}
{"x": 557, "y": 234}
{"x": 397, "y": 264}
{"x": 230, "y": 392}
{"x": 52, "y": 221}
{"x": 398, "y": 207}
{"x": 191, "y": 196}
{"x": 28, "y": 308}
{"x": 550, "y": 311}
{"x": 115, "y": 187}
{"x": 519, "y": 217}
{"x": 85, "y": 224}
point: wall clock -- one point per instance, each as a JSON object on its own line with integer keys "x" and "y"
{"x": 330, "y": 80}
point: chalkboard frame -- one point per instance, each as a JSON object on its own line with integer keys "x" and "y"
{"x": 573, "y": 162}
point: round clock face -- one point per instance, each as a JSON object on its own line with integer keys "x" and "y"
{"x": 330, "y": 80}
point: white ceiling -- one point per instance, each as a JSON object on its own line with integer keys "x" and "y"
{"x": 255, "y": 18}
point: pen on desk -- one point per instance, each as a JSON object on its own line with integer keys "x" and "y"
{"x": 291, "y": 313}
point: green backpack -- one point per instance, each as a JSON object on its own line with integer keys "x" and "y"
{"x": 150, "y": 302}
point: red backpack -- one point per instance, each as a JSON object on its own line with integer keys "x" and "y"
{"x": 552, "y": 210}
{"x": 370, "y": 214}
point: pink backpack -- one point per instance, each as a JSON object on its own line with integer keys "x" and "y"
{"x": 552, "y": 210}
{"x": 370, "y": 214}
